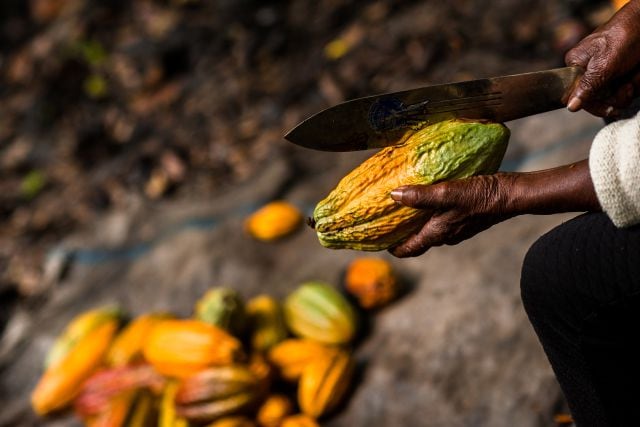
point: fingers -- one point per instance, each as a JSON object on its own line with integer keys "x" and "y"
{"x": 421, "y": 196}
{"x": 433, "y": 233}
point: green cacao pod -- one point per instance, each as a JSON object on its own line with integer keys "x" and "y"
{"x": 267, "y": 321}
{"x": 318, "y": 311}
{"x": 224, "y": 308}
{"x": 218, "y": 392}
{"x": 360, "y": 214}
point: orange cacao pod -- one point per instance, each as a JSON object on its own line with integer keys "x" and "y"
{"x": 291, "y": 356}
{"x": 181, "y": 348}
{"x": 62, "y": 382}
{"x": 273, "y": 221}
{"x": 324, "y": 383}
{"x": 371, "y": 281}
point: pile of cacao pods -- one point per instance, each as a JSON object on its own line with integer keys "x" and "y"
{"x": 262, "y": 362}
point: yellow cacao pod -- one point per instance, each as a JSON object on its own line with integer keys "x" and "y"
{"x": 273, "y": 410}
{"x": 291, "y": 356}
{"x": 233, "y": 422}
{"x": 63, "y": 380}
{"x": 168, "y": 416}
{"x": 181, "y": 348}
{"x": 273, "y": 221}
{"x": 144, "y": 412}
{"x": 127, "y": 347}
{"x": 372, "y": 282}
{"x": 78, "y": 328}
{"x": 224, "y": 308}
{"x": 217, "y": 392}
{"x": 299, "y": 420}
{"x": 324, "y": 383}
{"x": 318, "y": 311}
{"x": 360, "y": 214}
{"x": 267, "y": 321}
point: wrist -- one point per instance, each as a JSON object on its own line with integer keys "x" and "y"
{"x": 564, "y": 189}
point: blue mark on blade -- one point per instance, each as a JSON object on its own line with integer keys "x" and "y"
{"x": 389, "y": 113}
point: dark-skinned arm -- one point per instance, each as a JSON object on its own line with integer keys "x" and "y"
{"x": 462, "y": 208}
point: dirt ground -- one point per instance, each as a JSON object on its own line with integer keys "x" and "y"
{"x": 131, "y": 128}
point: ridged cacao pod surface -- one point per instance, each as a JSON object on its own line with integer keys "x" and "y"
{"x": 360, "y": 214}
{"x": 291, "y": 356}
{"x": 222, "y": 307}
{"x": 217, "y": 392}
{"x": 324, "y": 383}
{"x": 318, "y": 311}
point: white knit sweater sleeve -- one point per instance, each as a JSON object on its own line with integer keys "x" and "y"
{"x": 614, "y": 163}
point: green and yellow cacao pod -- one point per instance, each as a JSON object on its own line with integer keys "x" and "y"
{"x": 267, "y": 322}
{"x": 224, "y": 308}
{"x": 318, "y": 311}
{"x": 217, "y": 392}
{"x": 360, "y": 214}
{"x": 325, "y": 382}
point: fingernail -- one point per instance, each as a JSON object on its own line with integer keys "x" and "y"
{"x": 608, "y": 111}
{"x": 574, "y": 104}
{"x": 396, "y": 194}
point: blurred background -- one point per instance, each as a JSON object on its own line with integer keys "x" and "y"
{"x": 135, "y": 136}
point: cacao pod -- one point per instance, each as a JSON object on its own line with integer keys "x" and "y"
{"x": 324, "y": 383}
{"x": 299, "y": 420}
{"x": 371, "y": 281}
{"x": 144, "y": 412}
{"x": 99, "y": 390}
{"x": 79, "y": 327}
{"x": 291, "y": 356}
{"x": 63, "y": 380}
{"x": 267, "y": 321}
{"x": 273, "y": 410}
{"x": 233, "y": 422}
{"x": 168, "y": 415}
{"x": 217, "y": 392}
{"x": 127, "y": 347}
{"x": 360, "y": 214}
{"x": 180, "y": 348}
{"x": 114, "y": 414}
{"x": 273, "y": 221}
{"x": 224, "y": 308}
{"x": 318, "y": 311}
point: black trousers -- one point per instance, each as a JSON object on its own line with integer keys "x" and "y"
{"x": 581, "y": 289}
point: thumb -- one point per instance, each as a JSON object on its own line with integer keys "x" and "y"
{"x": 587, "y": 57}
{"x": 421, "y": 196}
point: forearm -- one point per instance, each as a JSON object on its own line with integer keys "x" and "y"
{"x": 567, "y": 188}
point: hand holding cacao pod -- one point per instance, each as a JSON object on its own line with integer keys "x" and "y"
{"x": 359, "y": 214}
